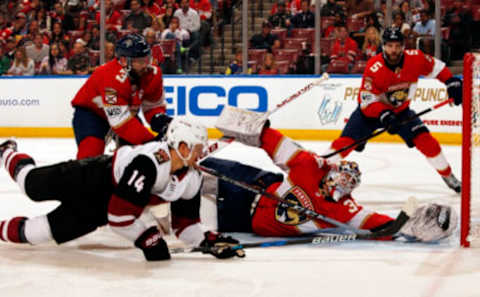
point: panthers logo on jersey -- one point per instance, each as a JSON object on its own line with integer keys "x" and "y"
{"x": 287, "y": 215}
{"x": 398, "y": 97}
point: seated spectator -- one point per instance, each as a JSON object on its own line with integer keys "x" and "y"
{"x": 79, "y": 62}
{"x": 113, "y": 18}
{"x": 151, "y": 8}
{"x": 331, "y": 8}
{"x": 190, "y": 21}
{"x": 19, "y": 27}
{"x": 58, "y": 34}
{"x": 372, "y": 44}
{"x": 407, "y": 12}
{"x": 330, "y": 30}
{"x": 9, "y": 49}
{"x": 236, "y": 67}
{"x": 182, "y": 37}
{"x": 459, "y": 21}
{"x": 305, "y": 18}
{"x": 137, "y": 20}
{"x": 426, "y": 25}
{"x": 281, "y": 19}
{"x": 399, "y": 22}
{"x": 4, "y": 61}
{"x": 372, "y": 20}
{"x": 203, "y": 8}
{"x": 38, "y": 50}
{"x": 109, "y": 51}
{"x": 54, "y": 63}
{"x": 157, "y": 28}
{"x": 344, "y": 48}
{"x": 167, "y": 17}
{"x": 265, "y": 40}
{"x": 359, "y": 8}
{"x": 22, "y": 64}
{"x": 268, "y": 66}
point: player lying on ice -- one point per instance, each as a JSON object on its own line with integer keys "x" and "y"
{"x": 115, "y": 190}
{"x": 388, "y": 84}
{"x": 311, "y": 181}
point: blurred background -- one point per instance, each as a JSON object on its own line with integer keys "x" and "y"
{"x": 70, "y": 37}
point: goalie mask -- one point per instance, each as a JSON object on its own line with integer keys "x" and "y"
{"x": 342, "y": 179}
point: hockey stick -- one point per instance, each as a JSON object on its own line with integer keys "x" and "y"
{"x": 226, "y": 140}
{"x": 320, "y": 238}
{"x": 389, "y": 230}
{"x": 380, "y": 131}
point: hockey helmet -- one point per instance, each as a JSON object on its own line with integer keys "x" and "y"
{"x": 132, "y": 46}
{"x": 342, "y": 179}
{"x": 187, "y": 131}
{"x": 392, "y": 34}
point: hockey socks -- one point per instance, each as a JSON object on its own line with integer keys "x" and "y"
{"x": 340, "y": 143}
{"x": 13, "y": 230}
{"x": 430, "y": 148}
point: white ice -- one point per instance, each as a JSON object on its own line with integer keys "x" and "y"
{"x": 102, "y": 264}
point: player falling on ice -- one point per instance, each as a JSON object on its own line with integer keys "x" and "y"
{"x": 311, "y": 181}
{"x": 116, "y": 190}
{"x": 388, "y": 84}
{"x": 113, "y": 95}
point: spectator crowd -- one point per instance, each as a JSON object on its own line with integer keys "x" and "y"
{"x": 57, "y": 37}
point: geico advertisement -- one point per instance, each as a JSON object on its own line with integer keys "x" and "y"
{"x": 45, "y": 102}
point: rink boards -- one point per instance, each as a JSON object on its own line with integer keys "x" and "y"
{"x": 40, "y": 106}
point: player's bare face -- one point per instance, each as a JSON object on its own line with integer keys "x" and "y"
{"x": 196, "y": 153}
{"x": 393, "y": 52}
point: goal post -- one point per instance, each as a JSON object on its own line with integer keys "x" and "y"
{"x": 470, "y": 208}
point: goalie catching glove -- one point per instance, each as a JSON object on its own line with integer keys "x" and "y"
{"x": 222, "y": 247}
{"x": 243, "y": 125}
{"x": 431, "y": 222}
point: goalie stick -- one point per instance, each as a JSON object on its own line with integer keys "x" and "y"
{"x": 390, "y": 230}
{"x": 320, "y": 238}
{"x": 380, "y": 131}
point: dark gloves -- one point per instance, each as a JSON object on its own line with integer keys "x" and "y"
{"x": 152, "y": 244}
{"x": 220, "y": 246}
{"x": 455, "y": 89}
{"x": 390, "y": 121}
{"x": 159, "y": 124}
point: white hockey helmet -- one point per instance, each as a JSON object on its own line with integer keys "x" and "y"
{"x": 187, "y": 131}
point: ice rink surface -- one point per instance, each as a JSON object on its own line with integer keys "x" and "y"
{"x": 103, "y": 264}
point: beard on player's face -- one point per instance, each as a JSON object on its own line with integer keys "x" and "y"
{"x": 393, "y": 52}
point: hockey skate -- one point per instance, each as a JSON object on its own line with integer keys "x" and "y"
{"x": 453, "y": 183}
{"x": 10, "y": 143}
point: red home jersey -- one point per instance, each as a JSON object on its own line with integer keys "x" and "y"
{"x": 109, "y": 93}
{"x": 384, "y": 88}
{"x": 302, "y": 186}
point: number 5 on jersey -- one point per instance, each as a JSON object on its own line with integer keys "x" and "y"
{"x": 137, "y": 181}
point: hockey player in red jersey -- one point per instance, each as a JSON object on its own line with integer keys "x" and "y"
{"x": 311, "y": 181}
{"x": 388, "y": 84}
{"x": 115, "y": 191}
{"x": 113, "y": 95}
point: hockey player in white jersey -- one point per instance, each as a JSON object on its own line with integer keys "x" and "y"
{"x": 115, "y": 191}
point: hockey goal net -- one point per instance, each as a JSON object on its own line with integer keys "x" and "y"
{"x": 470, "y": 213}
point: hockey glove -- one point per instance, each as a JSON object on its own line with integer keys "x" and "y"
{"x": 455, "y": 89}
{"x": 153, "y": 246}
{"x": 159, "y": 124}
{"x": 220, "y": 246}
{"x": 390, "y": 121}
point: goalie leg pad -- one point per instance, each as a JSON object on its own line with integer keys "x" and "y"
{"x": 431, "y": 222}
{"x": 244, "y": 125}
